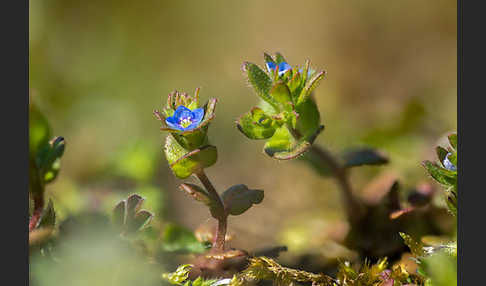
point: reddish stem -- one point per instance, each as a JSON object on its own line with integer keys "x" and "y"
{"x": 36, "y": 214}
{"x": 218, "y": 243}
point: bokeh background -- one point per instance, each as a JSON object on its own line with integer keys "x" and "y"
{"x": 99, "y": 68}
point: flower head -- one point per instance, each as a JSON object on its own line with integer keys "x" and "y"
{"x": 448, "y": 164}
{"x": 185, "y": 119}
{"x": 283, "y": 67}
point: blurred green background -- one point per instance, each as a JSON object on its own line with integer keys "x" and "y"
{"x": 99, "y": 68}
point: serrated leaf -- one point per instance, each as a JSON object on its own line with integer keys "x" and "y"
{"x": 310, "y": 86}
{"x": 48, "y": 217}
{"x": 179, "y": 276}
{"x": 181, "y": 240}
{"x": 184, "y": 162}
{"x": 260, "y": 81}
{"x": 441, "y": 175}
{"x": 364, "y": 156}
{"x": 416, "y": 247}
{"x": 256, "y": 124}
{"x": 453, "y": 140}
{"x": 238, "y": 199}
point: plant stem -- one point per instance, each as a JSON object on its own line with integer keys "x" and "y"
{"x": 218, "y": 243}
{"x": 354, "y": 209}
{"x": 37, "y": 192}
{"x": 37, "y": 212}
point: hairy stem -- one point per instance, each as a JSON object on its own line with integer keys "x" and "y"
{"x": 222, "y": 221}
{"x": 354, "y": 209}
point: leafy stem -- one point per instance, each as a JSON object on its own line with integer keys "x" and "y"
{"x": 218, "y": 243}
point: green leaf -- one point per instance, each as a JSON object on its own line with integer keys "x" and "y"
{"x": 200, "y": 195}
{"x": 238, "y": 199}
{"x": 281, "y": 93}
{"x": 128, "y": 216}
{"x": 48, "y": 217}
{"x": 453, "y": 140}
{"x": 184, "y": 162}
{"x": 309, "y": 119}
{"x": 440, "y": 268}
{"x": 260, "y": 82}
{"x": 134, "y": 203}
{"x": 441, "y": 175}
{"x": 39, "y": 130}
{"x": 364, "y": 156}
{"x": 256, "y": 124}
{"x": 181, "y": 240}
{"x": 310, "y": 86}
{"x": 283, "y": 146}
{"x": 48, "y": 159}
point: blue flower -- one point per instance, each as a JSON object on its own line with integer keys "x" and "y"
{"x": 282, "y": 67}
{"x": 185, "y": 119}
{"x": 448, "y": 164}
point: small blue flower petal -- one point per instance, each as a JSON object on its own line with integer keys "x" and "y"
{"x": 283, "y": 67}
{"x": 173, "y": 123}
{"x": 271, "y": 66}
{"x": 448, "y": 164}
{"x": 182, "y": 112}
{"x": 184, "y": 115}
{"x": 198, "y": 114}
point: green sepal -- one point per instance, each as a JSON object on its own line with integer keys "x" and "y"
{"x": 184, "y": 162}
{"x": 268, "y": 58}
{"x": 200, "y": 195}
{"x": 256, "y": 124}
{"x": 364, "y": 156}
{"x": 453, "y": 140}
{"x": 310, "y": 86}
{"x": 39, "y": 130}
{"x": 441, "y": 175}
{"x": 260, "y": 81}
{"x": 279, "y": 58}
{"x": 238, "y": 199}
